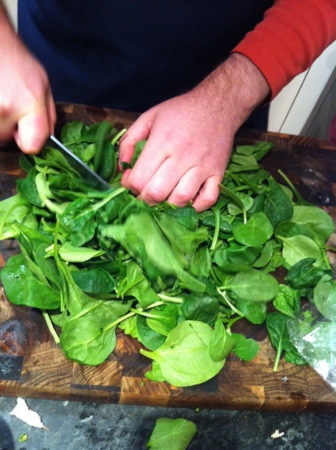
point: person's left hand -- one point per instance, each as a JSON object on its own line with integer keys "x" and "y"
{"x": 184, "y": 158}
{"x": 190, "y": 137}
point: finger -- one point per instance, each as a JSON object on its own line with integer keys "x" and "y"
{"x": 33, "y": 130}
{"x": 162, "y": 182}
{"x": 138, "y": 131}
{"x": 145, "y": 169}
{"x": 188, "y": 187}
{"x": 208, "y": 194}
{"x": 52, "y": 115}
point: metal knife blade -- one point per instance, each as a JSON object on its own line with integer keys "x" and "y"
{"x": 85, "y": 172}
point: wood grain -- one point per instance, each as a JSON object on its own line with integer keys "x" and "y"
{"x": 32, "y": 365}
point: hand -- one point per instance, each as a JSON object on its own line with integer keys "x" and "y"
{"x": 190, "y": 137}
{"x": 184, "y": 158}
{"x": 27, "y": 111}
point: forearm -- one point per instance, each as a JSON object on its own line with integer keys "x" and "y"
{"x": 10, "y": 43}
{"x": 233, "y": 91}
{"x": 27, "y": 110}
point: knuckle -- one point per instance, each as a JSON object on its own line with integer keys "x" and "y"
{"x": 132, "y": 183}
{"x": 154, "y": 194}
{"x": 208, "y": 198}
{"x": 182, "y": 197}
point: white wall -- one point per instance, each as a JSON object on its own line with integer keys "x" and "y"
{"x": 304, "y": 97}
{"x": 11, "y": 6}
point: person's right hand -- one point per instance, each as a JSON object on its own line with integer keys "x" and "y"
{"x": 27, "y": 110}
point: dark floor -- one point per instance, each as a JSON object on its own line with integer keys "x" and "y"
{"x": 104, "y": 426}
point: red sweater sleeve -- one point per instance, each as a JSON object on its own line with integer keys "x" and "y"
{"x": 291, "y": 36}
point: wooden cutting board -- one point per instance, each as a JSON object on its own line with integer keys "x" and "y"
{"x": 32, "y": 365}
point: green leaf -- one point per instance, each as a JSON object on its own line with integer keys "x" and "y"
{"x": 163, "y": 319}
{"x": 325, "y": 297}
{"x": 201, "y": 307}
{"x": 287, "y": 300}
{"x": 276, "y": 324}
{"x": 175, "y": 434}
{"x": 22, "y": 287}
{"x": 300, "y": 247}
{"x": 255, "y": 232}
{"x": 278, "y": 206}
{"x": 74, "y": 254}
{"x": 148, "y": 337}
{"x": 221, "y": 342}
{"x": 184, "y": 358}
{"x": 136, "y": 285}
{"x": 254, "y": 286}
{"x": 245, "y": 348}
{"x": 94, "y": 281}
{"x": 90, "y": 337}
{"x": 12, "y": 210}
{"x": 304, "y": 274}
{"x": 317, "y": 219}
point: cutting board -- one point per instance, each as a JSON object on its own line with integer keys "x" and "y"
{"x": 32, "y": 365}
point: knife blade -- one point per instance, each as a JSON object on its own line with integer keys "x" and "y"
{"x": 84, "y": 171}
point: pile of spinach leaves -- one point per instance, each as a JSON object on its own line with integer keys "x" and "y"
{"x": 174, "y": 279}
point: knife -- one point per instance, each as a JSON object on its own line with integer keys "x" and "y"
{"x": 84, "y": 171}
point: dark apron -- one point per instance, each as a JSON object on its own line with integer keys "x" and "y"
{"x": 132, "y": 54}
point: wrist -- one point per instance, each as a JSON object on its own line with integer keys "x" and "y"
{"x": 234, "y": 90}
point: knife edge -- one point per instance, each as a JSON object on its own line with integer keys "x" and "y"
{"x": 84, "y": 171}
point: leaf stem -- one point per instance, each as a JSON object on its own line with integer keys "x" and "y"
{"x": 292, "y": 187}
{"x": 118, "y": 136}
{"x": 51, "y": 327}
{"x": 170, "y": 299}
{"x": 216, "y": 233}
{"x": 223, "y": 294}
{"x": 131, "y": 314}
{"x": 277, "y": 359}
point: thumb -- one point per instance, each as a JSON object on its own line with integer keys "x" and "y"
{"x": 34, "y": 128}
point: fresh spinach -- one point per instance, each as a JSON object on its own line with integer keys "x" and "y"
{"x": 174, "y": 279}
{"x": 175, "y": 434}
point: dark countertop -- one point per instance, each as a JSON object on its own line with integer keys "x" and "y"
{"x": 95, "y": 426}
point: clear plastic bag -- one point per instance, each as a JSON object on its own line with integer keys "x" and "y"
{"x": 315, "y": 339}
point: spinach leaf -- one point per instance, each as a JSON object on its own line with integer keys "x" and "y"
{"x": 135, "y": 284}
{"x": 94, "y": 281}
{"x": 300, "y": 247}
{"x": 254, "y": 286}
{"x": 147, "y": 336}
{"x": 255, "y": 232}
{"x": 287, "y": 300}
{"x": 276, "y": 324}
{"x": 90, "y": 336}
{"x": 184, "y": 358}
{"x": 325, "y": 297}
{"x": 15, "y": 209}
{"x": 304, "y": 274}
{"x": 162, "y": 318}
{"x": 317, "y": 219}
{"x": 175, "y": 434}
{"x": 278, "y": 206}
{"x": 245, "y": 348}
{"x": 23, "y": 287}
{"x": 201, "y": 307}
{"x": 221, "y": 342}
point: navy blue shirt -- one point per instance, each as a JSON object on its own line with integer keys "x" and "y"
{"x": 132, "y": 54}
